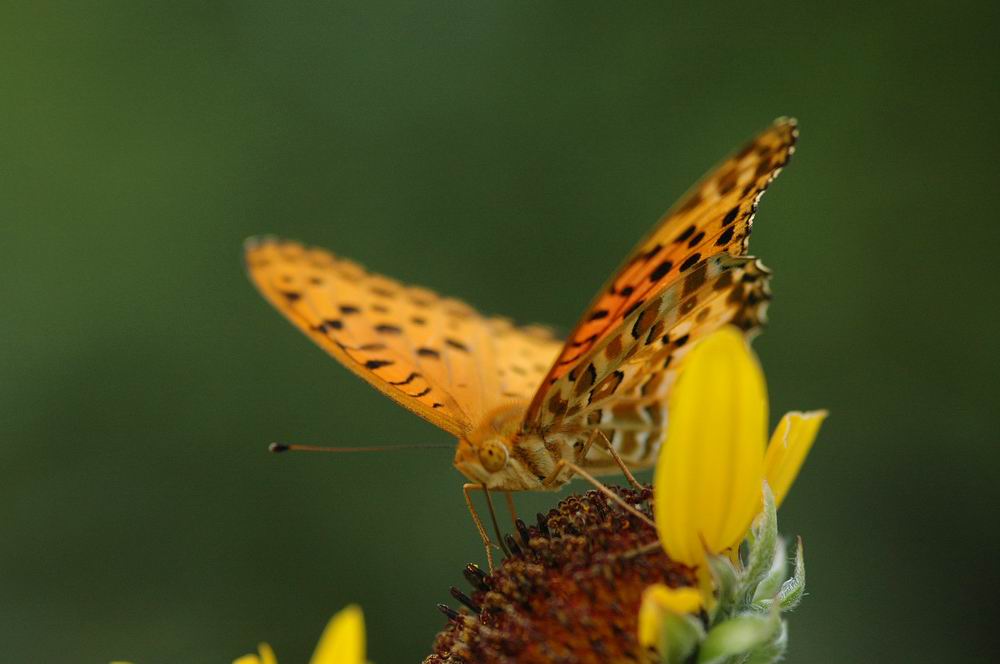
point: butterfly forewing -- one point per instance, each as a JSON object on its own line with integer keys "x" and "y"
{"x": 522, "y": 355}
{"x": 715, "y": 216}
{"x": 436, "y": 356}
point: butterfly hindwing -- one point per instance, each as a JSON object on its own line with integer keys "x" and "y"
{"x": 715, "y": 216}
{"x": 634, "y": 367}
{"x": 636, "y": 359}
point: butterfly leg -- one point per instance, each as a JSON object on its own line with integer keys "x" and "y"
{"x": 487, "y": 543}
{"x": 509, "y": 495}
{"x": 479, "y": 524}
{"x": 585, "y": 450}
{"x": 618, "y": 460}
{"x": 610, "y": 449}
{"x": 563, "y": 463}
{"x": 493, "y": 518}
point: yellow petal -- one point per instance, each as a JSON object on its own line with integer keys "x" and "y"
{"x": 658, "y": 626}
{"x": 343, "y": 640}
{"x": 709, "y": 473}
{"x": 675, "y": 600}
{"x": 265, "y": 656}
{"x": 789, "y": 446}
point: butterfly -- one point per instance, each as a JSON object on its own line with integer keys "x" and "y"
{"x": 526, "y": 409}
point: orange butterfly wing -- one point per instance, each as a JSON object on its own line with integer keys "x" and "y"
{"x": 435, "y": 356}
{"x": 715, "y": 216}
{"x": 620, "y": 385}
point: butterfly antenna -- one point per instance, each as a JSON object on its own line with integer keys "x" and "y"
{"x": 285, "y": 447}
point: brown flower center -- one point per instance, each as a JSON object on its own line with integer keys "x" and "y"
{"x": 570, "y": 592}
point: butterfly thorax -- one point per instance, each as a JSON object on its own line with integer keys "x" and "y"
{"x": 501, "y": 454}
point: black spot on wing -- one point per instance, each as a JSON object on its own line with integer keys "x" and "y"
{"x": 406, "y": 381}
{"x": 631, "y": 309}
{"x": 330, "y": 324}
{"x": 731, "y": 216}
{"x": 661, "y": 271}
{"x": 688, "y": 232}
{"x": 648, "y": 255}
{"x": 725, "y": 238}
{"x": 606, "y": 387}
{"x": 654, "y": 332}
{"x": 690, "y": 261}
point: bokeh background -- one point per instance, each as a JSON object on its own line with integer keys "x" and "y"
{"x": 509, "y": 154}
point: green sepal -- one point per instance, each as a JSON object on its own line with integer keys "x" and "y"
{"x": 771, "y": 584}
{"x": 793, "y": 589}
{"x": 739, "y": 635}
{"x": 773, "y": 650}
{"x": 679, "y": 637}
{"x": 762, "y": 544}
{"x": 727, "y": 585}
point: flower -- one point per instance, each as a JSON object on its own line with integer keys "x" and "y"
{"x": 711, "y": 471}
{"x": 342, "y": 642}
{"x": 593, "y": 583}
{"x": 569, "y": 592}
{"x": 716, "y": 474}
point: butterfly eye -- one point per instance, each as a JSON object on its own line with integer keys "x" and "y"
{"x": 493, "y": 455}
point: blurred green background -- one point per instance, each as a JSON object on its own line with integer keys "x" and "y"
{"x": 509, "y": 154}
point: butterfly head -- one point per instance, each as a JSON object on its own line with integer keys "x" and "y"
{"x": 481, "y": 460}
{"x": 484, "y": 455}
